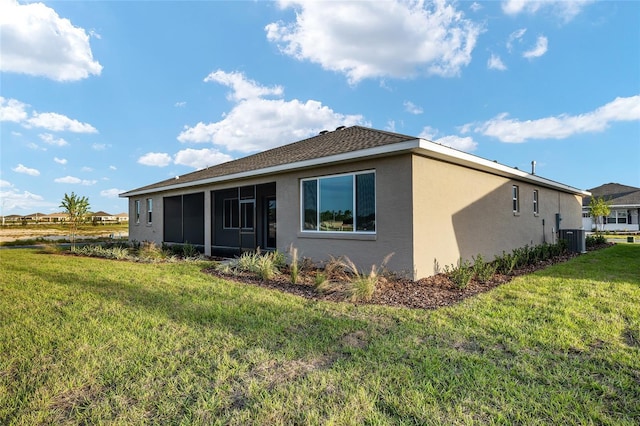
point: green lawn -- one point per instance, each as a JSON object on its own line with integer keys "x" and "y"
{"x": 86, "y": 341}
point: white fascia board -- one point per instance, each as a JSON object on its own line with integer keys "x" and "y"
{"x": 332, "y": 159}
{"x": 441, "y": 152}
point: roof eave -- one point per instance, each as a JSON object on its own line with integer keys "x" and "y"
{"x": 419, "y": 146}
{"x": 444, "y": 153}
{"x": 332, "y": 159}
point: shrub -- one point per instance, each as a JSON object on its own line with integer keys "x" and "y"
{"x": 460, "y": 274}
{"x": 357, "y": 285}
{"x": 149, "y": 250}
{"x": 189, "y": 250}
{"x": 482, "y": 270}
{"x": 595, "y": 240}
{"x": 257, "y": 263}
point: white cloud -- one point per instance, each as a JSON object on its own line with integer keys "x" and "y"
{"x": 475, "y": 6}
{"x": 60, "y": 160}
{"x": 565, "y": 9}
{"x": 13, "y": 200}
{"x": 495, "y": 63}
{"x": 158, "y": 159}
{"x": 86, "y": 169}
{"x": 539, "y": 50}
{"x": 111, "y": 193}
{"x": 411, "y": 108}
{"x": 397, "y": 39}
{"x": 457, "y": 142}
{"x": 200, "y": 158}
{"x": 256, "y": 124}
{"x": 12, "y": 110}
{"x": 515, "y": 36}
{"x": 5, "y": 184}
{"x": 99, "y": 146}
{"x": 36, "y": 41}
{"x": 26, "y": 170}
{"x": 466, "y": 143}
{"x": 562, "y": 126}
{"x": 75, "y": 180}
{"x": 180, "y": 104}
{"x": 113, "y": 168}
{"x": 15, "y": 111}
{"x": 58, "y": 123}
{"x": 243, "y": 88}
{"x": 49, "y": 139}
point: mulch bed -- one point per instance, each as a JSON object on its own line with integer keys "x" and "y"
{"x": 428, "y": 293}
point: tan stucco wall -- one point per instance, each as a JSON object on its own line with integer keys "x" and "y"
{"x": 447, "y": 212}
{"x": 393, "y": 217}
{"x": 460, "y": 212}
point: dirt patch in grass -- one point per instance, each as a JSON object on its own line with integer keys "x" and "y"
{"x": 428, "y": 293}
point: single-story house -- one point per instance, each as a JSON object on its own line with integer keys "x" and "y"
{"x": 101, "y": 216}
{"x": 359, "y": 192}
{"x": 122, "y": 217}
{"x": 624, "y": 205}
{"x": 55, "y": 217}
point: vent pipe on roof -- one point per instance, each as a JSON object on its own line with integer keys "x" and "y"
{"x": 533, "y": 167}
{"x": 323, "y": 132}
{"x": 339, "y": 128}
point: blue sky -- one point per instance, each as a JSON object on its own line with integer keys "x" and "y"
{"x": 103, "y": 97}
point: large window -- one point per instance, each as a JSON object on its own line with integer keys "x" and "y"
{"x": 515, "y": 196}
{"x": 617, "y": 216}
{"x": 340, "y": 203}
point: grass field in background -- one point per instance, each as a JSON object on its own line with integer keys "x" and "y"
{"x": 85, "y": 340}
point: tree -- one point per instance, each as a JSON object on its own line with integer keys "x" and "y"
{"x": 598, "y": 210}
{"x": 76, "y": 209}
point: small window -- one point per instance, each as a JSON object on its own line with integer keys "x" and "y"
{"x": 149, "y": 210}
{"x": 536, "y": 206}
{"x": 137, "y": 211}
{"x": 515, "y": 195}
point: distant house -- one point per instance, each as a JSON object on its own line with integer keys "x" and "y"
{"x": 33, "y": 217}
{"x": 358, "y": 192}
{"x": 102, "y": 217}
{"x": 624, "y": 203}
{"x": 122, "y": 217}
{"x": 55, "y": 217}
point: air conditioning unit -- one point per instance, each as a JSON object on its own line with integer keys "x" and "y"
{"x": 575, "y": 238}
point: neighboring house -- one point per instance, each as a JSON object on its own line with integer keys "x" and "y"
{"x": 12, "y": 218}
{"x": 55, "y": 217}
{"x": 362, "y": 193}
{"x": 624, "y": 203}
{"x": 102, "y": 217}
{"x": 34, "y": 217}
{"x": 122, "y": 217}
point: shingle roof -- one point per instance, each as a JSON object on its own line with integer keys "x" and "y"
{"x": 615, "y": 194}
{"x": 339, "y": 141}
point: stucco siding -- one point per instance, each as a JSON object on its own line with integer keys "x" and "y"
{"x": 393, "y": 217}
{"x": 461, "y": 212}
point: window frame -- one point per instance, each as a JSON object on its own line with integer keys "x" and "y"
{"x": 232, "y": 214}
{"x": 354, "y": 203}
{"x": 137, "y": 210}
{"x": 536, "y": 202}
{"x": 149, "y": 211}
{"x": 515, "y": 199}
